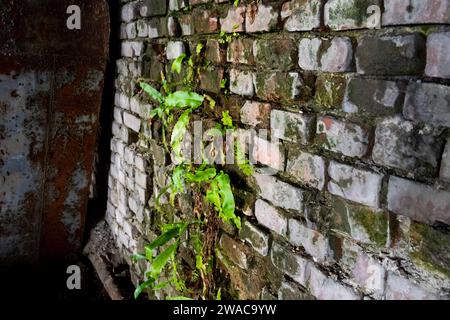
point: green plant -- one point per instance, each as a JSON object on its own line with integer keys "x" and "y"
{"x": 207, "y": 181}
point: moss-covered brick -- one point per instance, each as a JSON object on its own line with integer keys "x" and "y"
{"x": 240, "y": 50}
{"x": 361, "y": 223}
{"x": 275, "y": 54}
{"x": 301, "y": 15}
{"x": 330, "y": 90}
{"x": 289, "y": 262}
{"x": 430, "y": 248}
{"x": 256, "y": 237}
{"x": 205, "y": 21}
{"x": 276, "y": 86}
{"x": 348, "y": 14}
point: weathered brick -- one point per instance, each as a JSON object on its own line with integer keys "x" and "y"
{"x": 141, "y": 179}
{"x": 149, "y": 8}
{"x": 120, "y": 132}
{"x": 276, "y": 86}
{"x": 130, "y": 11}
{"x": 299, "y": 15}
{"x": 402, "y": 145}
{"x": 445, "y": 163}
{"x": 174, "y": 49}
{"x": 268, "y": 153}
{"x": 312, "y": 241}
{"x": 306, "y": 168}
{"x": 211, "y": 78}
{"x": 132, "y": 122}
{"x": 257, "y": 238}
{"x": 293, "y": 127}
{"x": 186, "y": 25}
{"x": 157, "y": 28}
{"x": 233, "y": 250}
{"x": 142, "y": 28}
{"x": 325, "y": 288}
{"x": 240, "y": 50}
{"x": 344, "y": 137}
{"x": 428, "y": 102}
{"x": 418, "y": 201}
{"x": 205, "y": 21}
{"x": 131, "y": 30}
{"x": 132, "y": 49}
{"x": 255, "y": 113}
{"x": 176, "y": 5}
{"x": 406, "y": 55}
{"x": 129, "y": 155}
{"x": 368, "y": 273}
{"x": 438, "y": 59}
{"x": 335, "y": 55}
{"x": 118, "y": 115}
{"x": 400, "y": 12}
{"x": 290, "y": 263}
{"x": 234, "y": 20}
{"x": 173, "y": 27}
{"x": 399, "y": 288}
{"x": 330, "y": 91}
{"x": 260, "y": 17}
{"x": 363, "y": 224}
{"x": 275, "y": 54}
{"x": 270, "y": 217}
{"x": 349, "y": 14}
{"x": 213, "y": 52}
{"x": 279, "y": 193}
{"x": 373, "y": 97}
{"x": 241, "y": 82}
{"x": 288, "y": 291}
{"x": 429, "y": 249}
{"x": 354, "y": 184}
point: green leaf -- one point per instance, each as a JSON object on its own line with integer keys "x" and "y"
{"x": 138, "y": 257}
{"x": 178, "y": 298}
{"x": 144, "y": 285}
{"x": 161, "y": 260}
{"x": 152, "y": 92}
{"x": 176, "y": 64}
{"x": 219, "y": 294}
{"x": 183, "y": 99}
{"x": 178, "y": 178}
{"x": 202, "y": 175}
{"x": 163, "y": 238}
{"x": 212, "y": 102}
{"x": 227, "y": 120}
{"x": 178, "y": 133}
{"x": 199, "y": 48}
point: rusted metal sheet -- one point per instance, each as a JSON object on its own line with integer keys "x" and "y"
{"x": 51, "y": 82}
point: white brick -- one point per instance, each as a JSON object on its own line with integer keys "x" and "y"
{"x": 269, "y": 217}
{"x": 279, "y": 193}
{"x": 354, "y": 184}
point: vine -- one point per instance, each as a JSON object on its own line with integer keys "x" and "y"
{"x": 210, "y": 186}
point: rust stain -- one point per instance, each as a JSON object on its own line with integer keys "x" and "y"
{"x": 53, "y": 81}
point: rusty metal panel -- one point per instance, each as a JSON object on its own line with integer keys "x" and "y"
{"x": 51, "y": 82}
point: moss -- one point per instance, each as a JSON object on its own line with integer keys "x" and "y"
{"x": 356, "y": 10}
{"x": 375, "y": 224}
{"x": 430, "y": 248}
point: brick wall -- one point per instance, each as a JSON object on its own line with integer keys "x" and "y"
{"x": 359, "y": 207}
